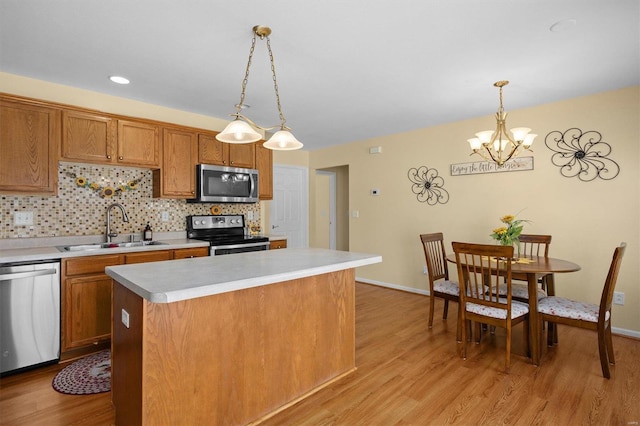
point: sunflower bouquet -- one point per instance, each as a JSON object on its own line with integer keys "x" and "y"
{"x": 509, "y": 234}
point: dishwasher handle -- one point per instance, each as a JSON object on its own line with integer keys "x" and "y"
{"x": 27, "y": 274}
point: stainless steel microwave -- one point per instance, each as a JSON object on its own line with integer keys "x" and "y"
{"x": 219, "y": 184}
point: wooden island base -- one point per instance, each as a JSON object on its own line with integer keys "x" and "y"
{"x": 232, "y": 358}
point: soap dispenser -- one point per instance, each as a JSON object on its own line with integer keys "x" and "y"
{"x": 148, "y": 233}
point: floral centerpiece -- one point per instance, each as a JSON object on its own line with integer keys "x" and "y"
{"x": 509, "y": 234}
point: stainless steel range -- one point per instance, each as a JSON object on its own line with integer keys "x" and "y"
{"x": 225, "y": 234}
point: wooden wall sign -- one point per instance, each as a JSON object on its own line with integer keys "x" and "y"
{"x": 479, "y": 167}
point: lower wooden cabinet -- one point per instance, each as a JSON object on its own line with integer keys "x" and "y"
{"x": 86, "y": 304}
{"x": 86, "y": 297}
{"x": 148, "y": 256}
{"x": 191, "y": 252}
{"x": 277, "y": 244}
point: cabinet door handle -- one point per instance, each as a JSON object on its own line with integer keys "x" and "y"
{"x": 120, "y": 158}
{"x": 108, "y": 157}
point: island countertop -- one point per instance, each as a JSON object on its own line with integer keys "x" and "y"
{"x": 176, "y": 280}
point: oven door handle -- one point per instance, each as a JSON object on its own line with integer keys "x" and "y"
{"x": 234, "y": 246}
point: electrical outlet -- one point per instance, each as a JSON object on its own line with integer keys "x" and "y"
{"x": 618, "y": 298}
{"x": 125, "y": 318}
{"x": 164, "y": 216}
{"x": 23, "y": 218}
{"x": 424, "y": 270}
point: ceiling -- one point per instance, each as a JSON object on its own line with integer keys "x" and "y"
{"x": 347, "y": 70}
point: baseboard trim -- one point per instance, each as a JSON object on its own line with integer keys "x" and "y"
{"x": 615, "y": 330}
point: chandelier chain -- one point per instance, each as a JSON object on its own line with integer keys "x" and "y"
{"x": 246, "y": 74}
{"x": 275, "y": 85}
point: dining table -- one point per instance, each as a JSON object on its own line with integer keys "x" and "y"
{"x": 534, "y": 267}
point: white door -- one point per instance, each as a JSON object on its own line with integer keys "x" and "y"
{"x": 289, "y": 213}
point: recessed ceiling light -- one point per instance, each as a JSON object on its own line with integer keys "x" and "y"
{"x": 564, "y": 25}
{"x": 118, "y": 79}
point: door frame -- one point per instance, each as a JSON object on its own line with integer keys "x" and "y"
{"x": 332, "y": 206}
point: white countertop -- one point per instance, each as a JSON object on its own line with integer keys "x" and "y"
{"x": 46, "y": 252}
{"x": 175, "y": 280}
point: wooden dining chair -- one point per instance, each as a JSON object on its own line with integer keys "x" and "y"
{"x": 483, "y": 270}
{"x": 532, "y": 245}
{"x": 438, "y": 274}
{"x": 559, "y": 310}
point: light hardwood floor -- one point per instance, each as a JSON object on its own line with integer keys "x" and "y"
{"x": 410, "y": 375}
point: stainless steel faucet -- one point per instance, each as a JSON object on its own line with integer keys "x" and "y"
{"x": 125, "y": 218}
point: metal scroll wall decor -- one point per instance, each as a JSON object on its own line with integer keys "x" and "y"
{"x": 428, "y": 186}
{"x": 580, "y": 154}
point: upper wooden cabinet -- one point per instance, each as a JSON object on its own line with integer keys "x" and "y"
{"x": 29, "y": 141}
{"x": 212, "y": 151}
{"x": 34, "y": 135}
{"x": 95, "y": 138}
{"x": 177, "y": 176}
{"x": 264, "y": 164}
{"x": 138, "y": 144}
{"x": 88, "y": 137}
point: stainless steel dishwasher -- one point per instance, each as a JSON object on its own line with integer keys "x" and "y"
{"x": 29, "y": 315}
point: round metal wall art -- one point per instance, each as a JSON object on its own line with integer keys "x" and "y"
{"x": 581, "y": 154}
{"x": 428, "y": 186}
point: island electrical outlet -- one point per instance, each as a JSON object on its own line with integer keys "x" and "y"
{"x": 125, "y": 318}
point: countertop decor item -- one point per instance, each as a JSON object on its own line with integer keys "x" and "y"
{"x": 85, "y": 376}
{"x": 510, "y": 233}
{"x": 105, "y": 191}
{"x": 581, "y": 154}
{"x": 428, "y": 186}
{"x": 242, "y": 129}
{"x": 497, "y": 145}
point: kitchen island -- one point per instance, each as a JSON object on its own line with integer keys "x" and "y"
{"x": 230, "y": 339}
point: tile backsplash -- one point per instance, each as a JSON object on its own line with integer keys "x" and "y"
{"x": 80, "y": 207}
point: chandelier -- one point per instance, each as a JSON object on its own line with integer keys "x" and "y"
{"x": 242, "y": 129}
{"x": 497, "y": 145}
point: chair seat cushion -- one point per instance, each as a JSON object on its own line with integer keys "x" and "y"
{"x": 446, "y": 286}
{"x": 567, "y": 308}
{"x": 521, "y": 291}
{"x": 518, "y": 309}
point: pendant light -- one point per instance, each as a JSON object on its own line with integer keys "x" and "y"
{"x": 242, "y": 129}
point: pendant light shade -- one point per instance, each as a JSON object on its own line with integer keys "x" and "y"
{"x": 243, "y": 129}
{"x": 238, "y": 131}
{"x": 283, "y": 140}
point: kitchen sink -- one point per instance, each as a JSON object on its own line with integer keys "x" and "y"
{"x": 106, "y": 246}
